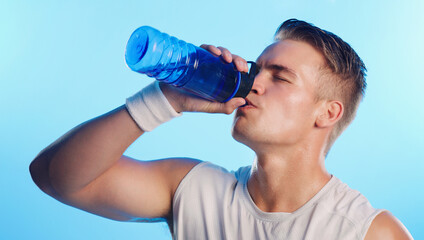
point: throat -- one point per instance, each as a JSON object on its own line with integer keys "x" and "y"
{"x": 282, "y": 189}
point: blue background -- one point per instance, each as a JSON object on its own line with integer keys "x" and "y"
{"x": 62, "y": 63}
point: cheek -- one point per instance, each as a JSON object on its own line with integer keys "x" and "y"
{"x": 296, "y": 104}
{"x": 296, "y": 111}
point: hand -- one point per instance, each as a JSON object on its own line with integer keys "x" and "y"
{"x": 182, "y": 101}
{"x": 226, "y": 56}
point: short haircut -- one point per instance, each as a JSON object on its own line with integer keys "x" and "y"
{"x": 343, "y": 77}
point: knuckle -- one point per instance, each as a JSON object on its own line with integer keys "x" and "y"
{"x": 224, "y": 50}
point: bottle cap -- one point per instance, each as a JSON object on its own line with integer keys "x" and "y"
{"x": 246, "y": 81}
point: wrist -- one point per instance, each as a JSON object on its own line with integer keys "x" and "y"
{"x": 175, "y": 100}
{"x": 150, "y": 108}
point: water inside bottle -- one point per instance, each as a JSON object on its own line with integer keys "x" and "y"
{"x": 183, "y": 65}
{"x": 212, "y": 79}
{"x": 202, "y": 74}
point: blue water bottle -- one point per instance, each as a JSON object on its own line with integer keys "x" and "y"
{"x": 185, "y": 66}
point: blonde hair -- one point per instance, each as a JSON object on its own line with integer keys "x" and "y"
{"x": 343, "y": 76}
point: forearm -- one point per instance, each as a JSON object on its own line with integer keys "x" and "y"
{"x": 84, "y": 153}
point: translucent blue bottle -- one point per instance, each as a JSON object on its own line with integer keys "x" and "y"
{"x": 185, "y": 66}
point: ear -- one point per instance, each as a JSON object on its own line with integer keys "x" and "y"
{"x": 329, "y": 114}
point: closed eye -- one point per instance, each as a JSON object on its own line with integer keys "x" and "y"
{"x": 281, "y": 79}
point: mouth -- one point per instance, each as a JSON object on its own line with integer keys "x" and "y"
{"x": 248, "y": 104}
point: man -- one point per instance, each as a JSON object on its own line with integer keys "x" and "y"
{"x": 305, "y": 94}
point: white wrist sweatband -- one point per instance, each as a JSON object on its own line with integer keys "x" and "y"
{"x": 149, "y": 107}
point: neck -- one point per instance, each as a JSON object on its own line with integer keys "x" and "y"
{"x": 285, "y": 181}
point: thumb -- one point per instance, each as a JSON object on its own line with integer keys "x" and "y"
{"x": 227, "y": 107}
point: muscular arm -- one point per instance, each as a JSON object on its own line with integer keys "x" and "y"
{"x": 86, "y": 168}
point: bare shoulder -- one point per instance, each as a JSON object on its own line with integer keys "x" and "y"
{"x": 386, "y": 226}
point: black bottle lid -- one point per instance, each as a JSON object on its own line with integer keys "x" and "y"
{"x": 246, "y": 81}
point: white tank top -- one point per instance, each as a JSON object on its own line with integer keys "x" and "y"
{"x": 212, "y": 203}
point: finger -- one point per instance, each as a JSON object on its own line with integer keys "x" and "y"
{"x": 226, "y": 108}
{"x": 236, "y": 102}
{"x": 212, "y": 49}
{"x": 240, "y": 63}
{"x": 233, "y": 104}
{"x": 226, "y": 55}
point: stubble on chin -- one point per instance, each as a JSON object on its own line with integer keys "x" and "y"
{"x": 242, "y": 130}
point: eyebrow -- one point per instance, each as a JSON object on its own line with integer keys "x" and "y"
{"x": 282, "y": 68}
{"x": 278, "y": 67}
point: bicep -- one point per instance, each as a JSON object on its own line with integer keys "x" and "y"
{"x": 133, "y": 189}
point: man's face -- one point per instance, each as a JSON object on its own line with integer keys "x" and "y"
{"x": 283, "y": 107}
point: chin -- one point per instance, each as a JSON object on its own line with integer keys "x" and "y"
{"x": 249, "y": 133}
{"x": 242, "y": 135}
{"x": 236, "y": 135}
